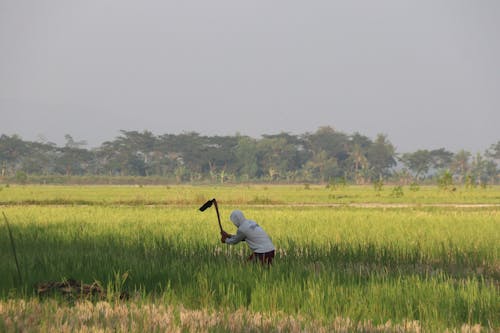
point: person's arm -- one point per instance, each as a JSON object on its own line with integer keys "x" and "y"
{"x": 233, "y": 239}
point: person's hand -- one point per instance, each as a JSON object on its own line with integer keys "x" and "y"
{"x": 224, "y": 235}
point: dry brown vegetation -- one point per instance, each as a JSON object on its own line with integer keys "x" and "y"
{"x": 83, "y": 316}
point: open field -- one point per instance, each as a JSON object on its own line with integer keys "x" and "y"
{"x": 348, "y": 258}
{"x": 243, "y": 195}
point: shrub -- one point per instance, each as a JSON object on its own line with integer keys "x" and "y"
{"x": 445, "y": 180}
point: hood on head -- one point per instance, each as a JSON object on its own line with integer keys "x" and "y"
{"x": 237, "y": 217}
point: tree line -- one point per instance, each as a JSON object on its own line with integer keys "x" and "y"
{"x": 325, "y": 155}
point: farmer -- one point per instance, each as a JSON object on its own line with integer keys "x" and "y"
{"x": 256, "y": 238}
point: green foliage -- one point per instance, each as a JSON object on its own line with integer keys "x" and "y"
{"x": 419, "y": 162}
{"x": 414, "y": 187}
{"x": 377, "y": 185}
{"x": 229, "y": 194}
{"x": 381, "y": 156}
{"x": 434, "y": 265}
{"x": 397, "y": 191}
{"x": 337, "y": 183}
{"x": 445, "y": 180}
{"x": 494, "y": 151}
{"x": 190, "y": 157}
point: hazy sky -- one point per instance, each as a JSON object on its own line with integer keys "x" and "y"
{"x": 424, "y": 72}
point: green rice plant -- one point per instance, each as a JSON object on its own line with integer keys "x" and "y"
{"x": 422, "y": 267}
{"x": 238, "y": 195}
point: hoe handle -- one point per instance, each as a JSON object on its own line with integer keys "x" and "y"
{"x": 218, "y": 215}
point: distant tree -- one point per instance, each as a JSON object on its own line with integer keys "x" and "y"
{"x": 441, "y": 158}
{"x": 128, "y": 154}
{"x": 358, "y": 167}
{"x": 73, "y": 158}
{"x": 12, "y": 151}
{"x": 326, "y": 139}
{"x": 460, "y": 164}
{"x": 246, "y": 158}
{"x": 494, "y": 151}
{"x": 381, "y": 157}
{"x": 478, "y": 169}
{"x": 359, "y": 162}
{"x": 200, "y": 156}
{"x": 491, "y": 172}
{"x": 418, "y": 162}
{"x": 192, "y": 148}
{"x": 71, "y": 143}
{"x": 322, "y": 167}
{"x": 219, "y": 153}
{"x": 362, "y": 141}
{"x": 278, "y": 155}
{"x": 325, "y": 155}
{"x": 41, "y": 158}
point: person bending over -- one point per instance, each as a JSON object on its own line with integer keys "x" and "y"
{"x": 253, "y": 234}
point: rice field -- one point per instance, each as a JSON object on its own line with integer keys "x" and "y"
{"x": 348, "y": 259}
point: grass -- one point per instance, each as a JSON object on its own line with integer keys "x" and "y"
{"x": 383, "y": 268}
{"x": 241, "y": 195}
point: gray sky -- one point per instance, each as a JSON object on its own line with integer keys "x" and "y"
{"x": 424, "y": 72}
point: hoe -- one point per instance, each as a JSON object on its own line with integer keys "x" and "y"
{"x": 209, "y": 204}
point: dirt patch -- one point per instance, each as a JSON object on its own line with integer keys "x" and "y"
{"x": 70, "y": 288}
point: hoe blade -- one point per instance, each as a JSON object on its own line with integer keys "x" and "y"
{"x": 206, "y": 205}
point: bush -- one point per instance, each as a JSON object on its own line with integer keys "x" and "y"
{"x": 397, "y": 191}
{"x": 377, "y": 185}
{"x": 414, "y": 187}
{"x": 445, "y": 180}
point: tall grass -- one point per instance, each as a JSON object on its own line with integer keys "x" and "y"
{"x": 242, "y": 195}
{"x": 438, "y": 266}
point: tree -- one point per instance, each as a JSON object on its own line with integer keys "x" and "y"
{"x": 359, "y": 161}
{"x": 381, "y": 156}
{"x": 362, "y": 141}
{"x": 192, "y": 151}
{"x": 326, "y": 139}
{"x": 491, "y": 172}
{"x": 128, "y": 154}
{"x": 12, "y": 150}
{"x": 441, "y": 158}
{"x": 357, "y": 164}
{"x": 494, "y": 151}
{"x": 324, "y": 155}
{"x": 280, "y": 156}
{"x": 478, "y": 169}
{"x": 246, "y": 157}
{"x": 41, "y": 158}
{"x": 200, "y": 156}
{"x": 219, "y": 151}
{"x": 419, "y": 162}
{"x": 72, "y": 158}
{"x": 460, "y": 164}
{"x": 322, "y": 167}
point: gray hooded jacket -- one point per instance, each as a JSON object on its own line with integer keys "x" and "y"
{"x": 251, "y": 232}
